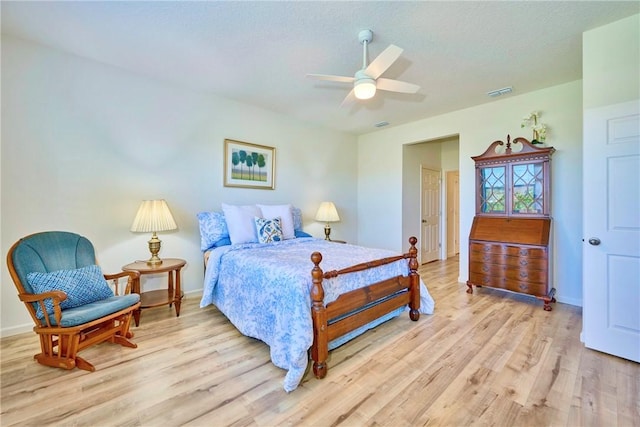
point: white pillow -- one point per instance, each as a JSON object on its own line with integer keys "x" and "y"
{"x": 285, "y": 212}
{"x": 242, "y": 228}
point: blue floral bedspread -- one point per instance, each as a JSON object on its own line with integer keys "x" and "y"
{"x": 265, "y": 291}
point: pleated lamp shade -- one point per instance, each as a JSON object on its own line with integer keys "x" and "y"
{"x": 153, "y": 216}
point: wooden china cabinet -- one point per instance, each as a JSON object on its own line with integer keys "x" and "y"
{"x": 509, "y": 240}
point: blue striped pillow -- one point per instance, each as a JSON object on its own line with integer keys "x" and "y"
{"x": 82, "y": 286}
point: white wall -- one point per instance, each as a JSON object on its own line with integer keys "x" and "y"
{"x": 611, "y": 63}
{"x": 561, "y": 108}
{"x": 84, "y": 143}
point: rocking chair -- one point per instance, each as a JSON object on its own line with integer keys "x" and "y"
{"x": 68, "y": 297}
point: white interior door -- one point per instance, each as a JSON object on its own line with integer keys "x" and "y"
{"x": 430, "y": 245}
{"x": 611, "y": 221}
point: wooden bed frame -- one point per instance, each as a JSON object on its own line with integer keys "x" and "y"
{"x": 360, "y": 306}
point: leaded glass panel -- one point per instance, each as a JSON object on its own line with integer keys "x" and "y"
{"x": 492, "y": 189}
{"x": 528, "y": 187}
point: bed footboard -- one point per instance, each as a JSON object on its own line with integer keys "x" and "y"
{"x": 360, "y": 306}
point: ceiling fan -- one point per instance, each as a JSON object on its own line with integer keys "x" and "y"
{"x": 367, "y": 80}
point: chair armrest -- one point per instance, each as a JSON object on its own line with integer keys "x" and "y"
{"x": 133, "y": 281}
{"x": 56, "y": 296}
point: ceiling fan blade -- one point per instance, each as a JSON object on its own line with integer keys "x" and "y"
{"x": 349, "y": 99}
{"x": 331, "y": 78}
{"x": 383, "y": 61}
{"x": 396, "y": 86}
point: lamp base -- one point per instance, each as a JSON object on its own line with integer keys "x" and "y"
{"x": 154, "y": 248}
{"x": 327, "y": 232}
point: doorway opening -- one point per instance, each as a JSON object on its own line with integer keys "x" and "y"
{"x": 442, "y": 156}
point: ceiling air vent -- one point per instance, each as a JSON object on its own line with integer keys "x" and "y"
{"x": 499, "y": 92}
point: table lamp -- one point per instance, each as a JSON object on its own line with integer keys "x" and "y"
{"x": 327, "y": 213}
{"x": 153, "y": 216}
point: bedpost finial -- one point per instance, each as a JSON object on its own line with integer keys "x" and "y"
{"x": 316, "y": 258}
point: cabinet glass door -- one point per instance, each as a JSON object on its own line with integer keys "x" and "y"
{"x": 492, "y": 190}
{"x": 528, "y": 187}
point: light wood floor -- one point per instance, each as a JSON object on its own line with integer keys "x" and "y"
{"x": 484, "y": 359}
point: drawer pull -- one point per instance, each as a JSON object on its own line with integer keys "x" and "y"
{"x": 485, "y": 269}
{"x": 524, "y": 275}
{"x": 524, "y": 251}
{"x": 524, "y": 262}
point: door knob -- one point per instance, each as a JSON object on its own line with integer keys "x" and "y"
{"x": 594, "y": 241}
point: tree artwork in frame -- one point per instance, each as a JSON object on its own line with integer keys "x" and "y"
{"x": 248, "y": 165}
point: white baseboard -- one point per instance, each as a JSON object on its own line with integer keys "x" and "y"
{"x": 570, "y": 301}
{"x": 16, "y": 330}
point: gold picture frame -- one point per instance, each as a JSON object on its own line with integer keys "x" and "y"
{"x": 249, "y": 165}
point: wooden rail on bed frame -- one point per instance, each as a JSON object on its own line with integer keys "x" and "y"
{"x": 360, "y": 306}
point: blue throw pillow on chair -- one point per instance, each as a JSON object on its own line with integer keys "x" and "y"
{"x": 82, "y": 286}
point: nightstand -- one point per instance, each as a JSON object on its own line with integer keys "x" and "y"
{"x": 156, "y": 298}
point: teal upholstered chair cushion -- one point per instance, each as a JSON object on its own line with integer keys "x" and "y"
{"x": 95, "y": 310}
{"x": 51, "y": 251}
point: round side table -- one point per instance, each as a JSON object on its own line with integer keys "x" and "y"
{"x": 172, "y": 295}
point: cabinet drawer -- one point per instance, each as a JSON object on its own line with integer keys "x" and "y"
{"x": 496, "y": 270}
{"x": 525, "y": 262}
{"x": 488, "y": 248}
{"x": 515, "y": 268}
{"x": 526, "y": 275}
{"x": 498, "y": 249}
{"x": 508, "y": 261}
{"x": 487, "y": 257}
{"x": 530, "y": 288}
{"x": 480, "y": 279}
{"x": 537, "y": 289}
{"x": 526, "y": 252}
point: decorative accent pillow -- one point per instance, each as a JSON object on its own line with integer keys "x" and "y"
{"x": 213, "y": 229}
{"x": 242, "y": 228}
{"x": 269, "y": 230}
{"x": 286, "y": 216}
{"x": 82, "y": 286}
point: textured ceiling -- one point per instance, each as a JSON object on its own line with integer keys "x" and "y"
{"x": 259, "y": 52}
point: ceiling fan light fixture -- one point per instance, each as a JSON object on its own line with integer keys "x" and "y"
{"x": 364, "y": 88}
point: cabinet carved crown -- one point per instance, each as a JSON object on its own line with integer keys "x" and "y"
{"x": 513, "y": 179}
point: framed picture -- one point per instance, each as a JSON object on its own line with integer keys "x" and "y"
{"x": 249, "y": 165}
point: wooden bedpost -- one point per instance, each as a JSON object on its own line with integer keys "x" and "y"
{"x": 320, "y": 347}
{"x": 414, "y": 280}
